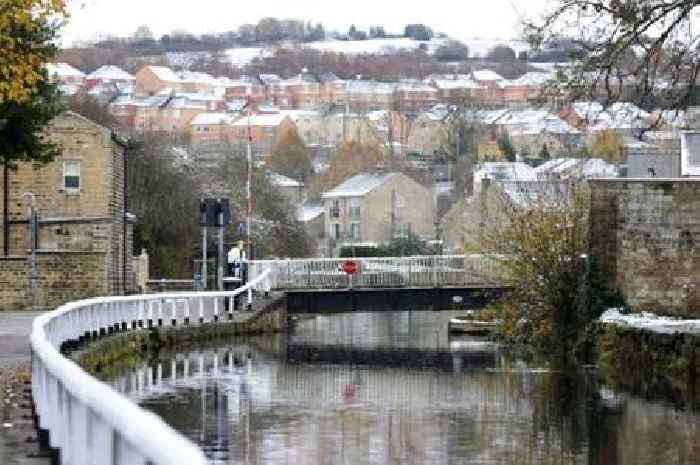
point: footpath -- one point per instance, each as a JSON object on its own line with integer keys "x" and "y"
{"x": 18, "y": 439}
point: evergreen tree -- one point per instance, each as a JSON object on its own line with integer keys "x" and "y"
{"x": 544, "y": 153}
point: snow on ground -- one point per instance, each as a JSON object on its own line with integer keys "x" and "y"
{"x": 372, "y": 46}
{"x": 243, "y": 56}
{"x": 651, "y": 322}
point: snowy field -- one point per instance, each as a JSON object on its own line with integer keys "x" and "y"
{"x": 651, "y": 322}
{"x": 242, "y": 56}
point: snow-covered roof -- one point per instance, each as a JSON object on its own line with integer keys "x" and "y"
{"x": 486, "y": 75}
{"x": 358, "y": 185}
{"x": 370, "y": 87}
{"x": 164, "y": 73}
{"x": 309, "y": 212}
{"x": 270, "y": 78}
{"x": 111, "y": 73}
{"x": 413, "y": 85}
{"x": 178, "y": 102}
{"x": 212, "y": 118}
{"x": 528, "y": 79}
{"x": 456, "y": 84}
{"x": 529, "y": 193}
{"x": 272, "y": 120}
{"x": 196, "y": 77}
{"x": 63, "y": 70}
{"x": 564, "y": 168}
{"x": 501, "y": 171}
{"x": 280, "y": 180}
{"x": 587, "y": 110}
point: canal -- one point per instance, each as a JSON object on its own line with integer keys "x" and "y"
{"x": 394, "y": 388}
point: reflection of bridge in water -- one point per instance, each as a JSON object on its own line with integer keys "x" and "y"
{"x": 307, "y": 380}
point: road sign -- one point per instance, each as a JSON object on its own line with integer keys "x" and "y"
{"x": 350, "y": 267}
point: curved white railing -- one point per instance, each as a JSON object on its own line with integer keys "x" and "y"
{"x": 89, "y": 422}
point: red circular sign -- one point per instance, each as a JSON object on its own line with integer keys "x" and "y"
{"x": 350, "y": 267}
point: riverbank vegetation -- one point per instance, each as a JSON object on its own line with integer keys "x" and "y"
{"x": 542, "y": 237}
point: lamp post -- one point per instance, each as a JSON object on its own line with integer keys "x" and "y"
{"x": 33, "y": 240}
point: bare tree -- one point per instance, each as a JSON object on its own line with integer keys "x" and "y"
{"x": 639, "y": 50}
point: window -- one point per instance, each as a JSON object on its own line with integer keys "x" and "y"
{"x": 354, "y": 209}
{"x": 71, "y": 176}
{"x": 355, "y": 231}
{"x": 335, "y": 231}
{"x": 335, "y": 209}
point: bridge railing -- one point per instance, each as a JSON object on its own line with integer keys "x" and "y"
{"x": 416, "y": 271}
{"x": 88, "y": 421}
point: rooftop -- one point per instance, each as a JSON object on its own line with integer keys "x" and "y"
{"x": 280, "y": 180}
{"x": 212, "y": 118}
{"x": 110, "y": 72}
{"x": 486, "y": 75}
{"x": 63, "y": 70}
{"x": 164, "y": 73}
{"x": 358, "y": 185}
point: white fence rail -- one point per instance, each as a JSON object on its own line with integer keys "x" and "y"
{"x": 87, "y": 420}
{"x": 417, "y": 271}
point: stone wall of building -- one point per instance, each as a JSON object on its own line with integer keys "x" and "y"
{"x": 646, "y": 236}
{"x": 61, "y": 277}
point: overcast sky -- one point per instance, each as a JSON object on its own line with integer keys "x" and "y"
{"x": 460, "y": 19}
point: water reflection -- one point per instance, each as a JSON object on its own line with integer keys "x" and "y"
{"x": 394, "y": 389}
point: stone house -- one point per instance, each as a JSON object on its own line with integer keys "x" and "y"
{"x": 84, "y": 233}
{"x": 373, "y": 208}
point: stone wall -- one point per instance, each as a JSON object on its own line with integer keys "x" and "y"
{"x": 62, "y": 277}
{"x": 646, "y": 236}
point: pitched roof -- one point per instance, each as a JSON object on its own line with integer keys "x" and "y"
{"x": 281, "y": 180}
{"x": 358, "y": 185}
{"x": 272, "y": 120}
{"x": 212, "y": 118}
{"x": 164, "y": 73}
{"x": 63, "y": 70}
{"x": 486, "y": 75}
{"x": 309, "y": 212}
{"x": 110, "y": 72}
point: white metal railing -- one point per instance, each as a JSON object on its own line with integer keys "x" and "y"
{"x": 416, "y": 271}
{"x": 87, "y": 420}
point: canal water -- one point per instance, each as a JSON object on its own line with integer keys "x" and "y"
{"x": 394, "y": 388}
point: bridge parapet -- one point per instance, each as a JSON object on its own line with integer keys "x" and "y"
{"x": 383, "y": 272}
{"x": 87, "y": 420}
